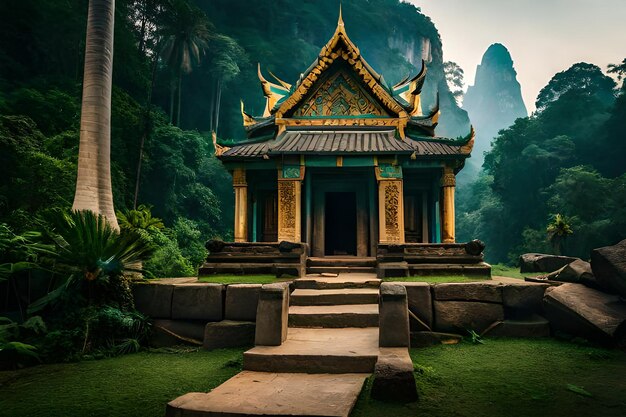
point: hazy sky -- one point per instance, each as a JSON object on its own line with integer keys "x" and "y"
{"x": 543, "y": 36}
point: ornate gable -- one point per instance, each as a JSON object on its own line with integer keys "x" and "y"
{"x": 339, "y": 95}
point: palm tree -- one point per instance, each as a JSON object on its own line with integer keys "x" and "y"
{"x": 558, "y": 231}
{"x": 186, "y": 37}
{"x": 93, "y": 183}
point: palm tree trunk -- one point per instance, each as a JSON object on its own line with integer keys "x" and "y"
{"x": 217, "y": 105}
{"x": 172, "y": 102}
{"x": 93, "y": 182}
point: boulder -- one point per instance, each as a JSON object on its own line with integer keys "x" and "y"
{"x": 425, "y": 339}
{"x": 420, "y": 302}
{"x": 578, "y": 271}
{"x": 241, "y": 302}
{"x": 523, "y": 296}
{"x": 197, "y": 302}
{"x": 460, "y": 316}
{"x": 609, "y": 267}
{"x": 167, "y": 333}
{"x": 581, "y": 311}
{"x": 394, "y": 379}
{"x": 215, "y": 246}
{"x": 153, "y": 300}
{"x": 474, "y": 247}
{"x": 490, "y": 292}
{"x": 228, "y": 333}
{"x": 541, "y": 262}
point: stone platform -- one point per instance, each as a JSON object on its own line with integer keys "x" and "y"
{"x": 274, "y": 394}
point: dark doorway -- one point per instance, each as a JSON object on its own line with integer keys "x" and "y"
{"x": 340, "y": 227}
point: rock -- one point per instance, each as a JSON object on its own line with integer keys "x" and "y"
{"x": 533, "y": 326}
{"x": 425, "y": 339}
{"x": 540, "y": 262}
{"x": 197, "y": 302}
{"x": 582, "y": 311}
{"x": 393, "y": 376}
{"x": 175, "y": 332}
{"x": 577, "y": 271}
{"x": 393, "y": 316}
{"x": 420, "y": 302}
{"x": 241, "y": 302}
{"x": 228, "y": 333}
{"x": 460, "y": 316}
{"x": 471, "y": 291}
{"x": 215, "y": 246}
{"x": 524, "y": 296}
{"x": 153, "y": 300}
{"x": 475, "y": 247}
{"x": 609, "y": 267}
{"x": 285, "y": 246}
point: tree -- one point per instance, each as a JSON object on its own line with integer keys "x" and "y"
{"x": 582, "y": 78}
{"x": 620, "y": 72}
{"x": 558, "y": 231}
{"x": 186, "y": 37}
{"x": 93, "y": 183}
{"x": 454, "y": 77}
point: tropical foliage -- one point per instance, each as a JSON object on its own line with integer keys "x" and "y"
{"x": 567, "y": 158}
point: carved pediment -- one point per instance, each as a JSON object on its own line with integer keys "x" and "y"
{"x": 339, "y": 95}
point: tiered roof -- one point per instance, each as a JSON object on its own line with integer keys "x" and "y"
{"x": 340, "y": 105}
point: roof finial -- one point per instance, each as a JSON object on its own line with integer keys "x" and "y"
{"x": 340, "y": 21}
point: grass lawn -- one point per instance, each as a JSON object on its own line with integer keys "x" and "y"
{"x": 500, "y": 270}
{"x": 503, "y": 377}
{"x": 437, "y": 279}
{"x": 241, "y": 279}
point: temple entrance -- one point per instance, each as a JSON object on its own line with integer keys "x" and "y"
{"x": 340, "y": 227}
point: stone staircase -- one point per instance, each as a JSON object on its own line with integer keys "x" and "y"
{"x": 331, "y": 347}
{"x": 341, "y": 265}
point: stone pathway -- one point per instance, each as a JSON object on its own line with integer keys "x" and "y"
{"x": 331, "y": 348}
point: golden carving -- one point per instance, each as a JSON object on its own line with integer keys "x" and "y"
{"x": 339, "y": 95}
{"x": 448, "y": 180}
{"x": 287, "y": 207}
{"x": 219, "y": 149}
{"x": 392, "y": 214}
{"x": 239, "y": 177}
{"x": 341, "y": 122}
{"x": 467, "y": 148}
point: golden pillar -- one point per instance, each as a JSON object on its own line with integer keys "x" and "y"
{"x": 390, "y": 211}
{"x": 241, "y": 204}
{"x": 289, "y": 203}
{"x": 448, "y": 182}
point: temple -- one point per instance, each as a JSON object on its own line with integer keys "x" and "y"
{"x": 344, "y": 163}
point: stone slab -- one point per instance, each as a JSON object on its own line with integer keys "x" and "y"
{"x": 523, "y": 295}
{"x": 154, "y": 300}
{"x": 228, "y": 333}
{"x": 241, "y": 302}
{"x": 355, "y": 280}
{"x": 306, "y": 297}
{"x": 318, "y": 351}
{"x": 609, "y": 267}
{"x": 334, "y": 316}
{"x": 534, "y": 326}
{"x": 394, "y": 316}
{"x": 272, "y": 314}
{"x": 460, "y": 316}
{"x": 270, "y": 394}
{"x": 490, "y": 292}
{"x": 582, "y": 311}
{"x": 420, "y": 301}
{"x": 541, "y": 262}
{"x": 197, "y": 302}
{"x": 394, "y": 379}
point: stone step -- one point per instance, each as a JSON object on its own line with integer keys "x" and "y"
{"x": 334, "y": 316}
{"x": 342, "y": 281}
{"x": 270, "y": 394}
{"x": 316, "y": 351}
{"x": 480, "y": 269}
{"x": 341, "y": 261}
{"x": 340, "y": 269}
{"x": 304, "y": 297}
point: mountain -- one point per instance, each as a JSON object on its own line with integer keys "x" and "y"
{"x": 493, "y": 102}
